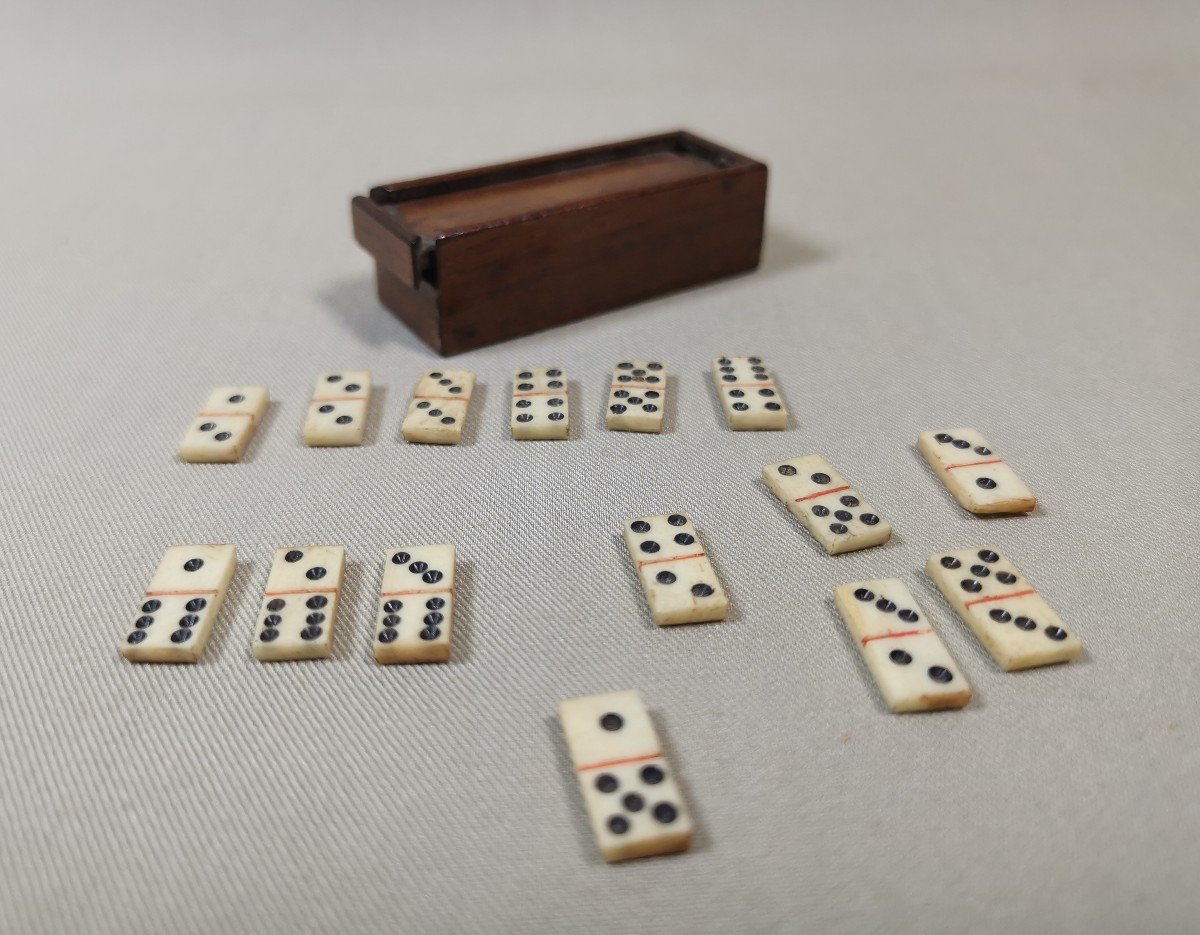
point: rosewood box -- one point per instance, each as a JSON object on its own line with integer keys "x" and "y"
{"x": 475, "y": 257}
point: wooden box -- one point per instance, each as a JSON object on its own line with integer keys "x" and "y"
{"x": 475, "y": 257}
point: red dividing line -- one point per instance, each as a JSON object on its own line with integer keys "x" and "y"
{"x": 210, "y": 415}
{"x": 542, "y": 393}
{"x": 449, "y": 399}
{"x": 1001, "y": 597}
{"x": 335, "y": 399}
{"x": 637, "y": 386}
{"x": 302, "y": 591}
{"x": 732, "y": 385}
{"x": 951, "y": 467}
{"x": 608, "y": 763}
{"x": 888, "y": 636}
{"x": 659, "y": 561}
{"x": 418, "y": 591}
{"x": 177, "y": 593}
{"x": 823, "y": 493}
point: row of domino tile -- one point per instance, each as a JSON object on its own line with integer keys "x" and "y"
{"x": 414, "y": 617}
{"x": 540, "y": 406}
{"x": 299, "y": 605}
{"x": 416, "y": 604}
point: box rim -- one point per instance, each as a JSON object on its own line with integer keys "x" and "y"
{"x": 743, "y": 165}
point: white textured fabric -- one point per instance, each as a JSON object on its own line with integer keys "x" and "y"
{"x": 979, "y": 213}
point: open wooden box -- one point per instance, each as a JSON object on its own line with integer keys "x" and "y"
{"x": 475, "y": 257}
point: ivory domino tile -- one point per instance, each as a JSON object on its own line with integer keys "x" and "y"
{"x": 906, "y": 658}
{"x": 300, "y": 605}
{"x": 638, "y": 397}
{"x": 225, "y": 424}
{"x": 416, "y": 605}
{"x": 836, "y": 514}
{"x": 749, "y": 394}
{"x": 1013, "y": 622}
{"x": 632, "y": 799}
{"x": 439, "y": 407}
{"x": 181, "y": 604}
{"x": 676, "y": 575}
{"x": 540, "y": 405}
{"x": 978, "y": 478}
{"x": 337, "y": 412}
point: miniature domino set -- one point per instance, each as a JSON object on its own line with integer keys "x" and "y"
{"x": 633, "y": 802}
{"x": 541, "y": 404}
{"x": 912, "y": 668}
{"x": 225, "y": 424}
{"x": 984, "y": 483}
{"x": 300, "y": 604}
{"x": 337, "y": 413}
{"x": 638, "y": 397}
{"x": 439, "y": 407}
{"x": 748, "y": 394}
{"x": 842, "y": 525}
{"x": 988, "y": 593}
{"x": 677, "y": 577}
{"x": 180, "y": 605}
{"x": 416, "y": 605}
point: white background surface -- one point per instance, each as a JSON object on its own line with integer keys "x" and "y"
{"x": 979, "y": 213}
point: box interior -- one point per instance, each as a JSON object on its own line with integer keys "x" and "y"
{"x": 482, "y": 198}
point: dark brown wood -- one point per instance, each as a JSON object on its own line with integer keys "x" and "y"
{"x": 475, "y": 257}
{"x": 396, "y": 248}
